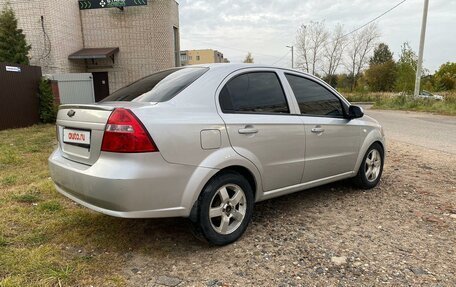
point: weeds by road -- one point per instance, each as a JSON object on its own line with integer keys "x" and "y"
{"x": 390, "y": 101}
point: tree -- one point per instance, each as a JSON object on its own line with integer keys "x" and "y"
{"x": 382, "y": 54}
{"x": 343, "y": 81}
{"x": 333, "y": 53}
{"x": 381, "y": 74}
{"x": 381, "y": 77}
{"x": 248, "y": 59}
{"x": 332, "y": 80}
{"x": 406, "y": 69}
{"x": 445, "y": 77}
{"x": 311, "y": 41}
{"x": 428, "y": 83}
{"x": 361, "y": 44}
{"x": 13, "y": 46}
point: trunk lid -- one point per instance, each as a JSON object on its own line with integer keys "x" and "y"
{"x": 80, "y": 129}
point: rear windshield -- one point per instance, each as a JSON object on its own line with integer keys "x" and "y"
{"x": 158, "y": 87}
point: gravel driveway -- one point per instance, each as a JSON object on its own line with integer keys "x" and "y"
{"x": 402, "y": 233}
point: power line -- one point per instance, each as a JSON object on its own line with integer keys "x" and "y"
{"x": 373, "y": 20}
{"x": 283, "y": 57}
{"x": 364, "y": 25}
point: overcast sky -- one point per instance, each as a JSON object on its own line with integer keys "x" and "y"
{"x": 265, "y": 27}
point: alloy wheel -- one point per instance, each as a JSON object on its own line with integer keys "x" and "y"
{"x": 373, "y": 165}
{"x": 227, "y": 209}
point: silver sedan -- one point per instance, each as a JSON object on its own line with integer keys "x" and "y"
{"x": 207, "y": 142}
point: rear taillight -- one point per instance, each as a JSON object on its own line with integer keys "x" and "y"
{"x": 125, "y": 133}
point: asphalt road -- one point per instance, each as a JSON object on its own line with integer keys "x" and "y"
{"x": 422, "y": 129}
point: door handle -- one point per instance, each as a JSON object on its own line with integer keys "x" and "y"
{"x": 248, "y": 130}
{"x": 317, "y": 130}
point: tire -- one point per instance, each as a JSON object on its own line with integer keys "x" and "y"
{"x": 224, "y": 209}
{"x": 371, "y": 168}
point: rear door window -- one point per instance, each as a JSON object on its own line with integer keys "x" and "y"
{"x": 158, "y": 87}
{"x": 256, "y": 92}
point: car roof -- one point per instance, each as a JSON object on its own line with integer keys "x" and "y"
{"x": 231, "y": 67}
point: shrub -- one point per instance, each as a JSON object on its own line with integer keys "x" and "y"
{"x": 446, "y": 77}
{"x": 409, "y": 103}
{"x": 13, "y": 45}
{"x": 48, "y": 108}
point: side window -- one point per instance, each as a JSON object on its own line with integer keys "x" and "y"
{"x": 256, "y": 92}
{"x": 314, "y": 99}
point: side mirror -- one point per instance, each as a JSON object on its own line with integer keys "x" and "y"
{"x": 355, "y": 112}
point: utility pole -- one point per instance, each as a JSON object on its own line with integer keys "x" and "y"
{"x": 292, "y": 56}
{"x": 420, "y": 55}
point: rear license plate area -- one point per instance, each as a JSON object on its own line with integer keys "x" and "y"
{"x": 76, "y": 137}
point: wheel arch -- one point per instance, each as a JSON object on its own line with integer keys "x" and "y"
{"x": 382, "y": 145}
{"x": 242, "y": 170}
{"x": 246, "y": 173}
{"x": 373, "y": 137}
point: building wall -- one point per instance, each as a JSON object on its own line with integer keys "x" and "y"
{"x": 65, "y": 32}
{"x": 53, "y": 29}
{"x": 196, "y": 57}
{"x": 144, "y": 35}
{"x": 206, "y": 56}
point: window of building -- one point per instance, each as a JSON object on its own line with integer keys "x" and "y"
{"x": 258, "y": 92}
{"x": 197, "y": 58}
{"x": 314, "y": 99}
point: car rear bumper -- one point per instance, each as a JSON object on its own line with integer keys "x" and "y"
{"x": 128, "y": 185}
{"x": 157, "y": 213}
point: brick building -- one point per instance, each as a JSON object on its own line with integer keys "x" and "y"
{"x": 118, "y": 45}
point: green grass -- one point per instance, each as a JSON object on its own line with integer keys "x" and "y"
{"x": 30, "y": 196}
{"x": 392, "y": 101}
{"x": 60, "y": 274}
{"x": 3, "y": 241}
{"x": 41, "y": 231}
{"x": 446, "y": 107}
{"x": 366, "y": 97}
{"x": 9, "y": 156}
{"x": 50, "y": 206}
{"x": 8, "y": 180}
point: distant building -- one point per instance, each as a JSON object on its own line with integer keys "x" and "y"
{"x": 206, "y": 56}
{"x": 117, "y": 44}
